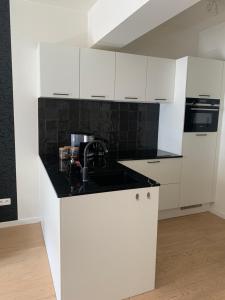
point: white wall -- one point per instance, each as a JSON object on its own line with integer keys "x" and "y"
{"x": 32, "y": 23}
{"x": 113, "y": 27}
{"x": 212, "y": 42}
{"x": 179, "y": 36}
{"x": 105, "y": 15}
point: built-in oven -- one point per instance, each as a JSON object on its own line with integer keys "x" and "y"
{"x": 201, "y": 115}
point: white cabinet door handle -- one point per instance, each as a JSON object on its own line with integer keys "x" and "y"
{"x": 131, "y": 98}
{"x": 154, "y": 162}
{"x": 61, "y": 94}
{"x": 206, "y": 109}
{"x": 148, "y": 195}
{"x": 98, "y": 96}
{"x": 204, "y": 95}
{"x": 137, "y": 197}
{"x": 201, "y": 134}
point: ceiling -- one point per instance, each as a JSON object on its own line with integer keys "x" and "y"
{"x": 82, "y": 5}
{"x": 127, "y": 27}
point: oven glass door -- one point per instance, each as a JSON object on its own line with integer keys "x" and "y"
{"x": 201, "y": 119}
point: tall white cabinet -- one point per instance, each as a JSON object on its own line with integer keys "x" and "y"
{"x": 97, "y": 74}
{"x": 59, "y": 70}
{"x": 199, "y": 158}
{"x": 204, "y": 78}
{"x": 131, "y": 72}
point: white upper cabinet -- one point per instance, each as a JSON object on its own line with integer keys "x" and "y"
{"x": 204, "y": 78}
{"x": 68, "y": 72}
{"x": 160, "y": 79}
{"x": 131, "y": 71}
{"x": 59, "y": 71}
{"x": 97, "y": 74}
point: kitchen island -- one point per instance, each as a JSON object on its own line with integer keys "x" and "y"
{"x": 101, "y": 239}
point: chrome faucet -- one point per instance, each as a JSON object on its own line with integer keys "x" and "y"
{"x": 85, "y": 168}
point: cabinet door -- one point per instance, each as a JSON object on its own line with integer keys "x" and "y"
{"x": 204, "y": 78}
{"x": 97, "y": 74}
{"x": 160, "y": 79}
{"x": 164, "y": 171}
{"x": 131, "y": 71}
{"x": 109, "y": 244}
{"x": 199, "y": 151}
{"x": 59, "y": 71}
{"x": 169, "y": 196}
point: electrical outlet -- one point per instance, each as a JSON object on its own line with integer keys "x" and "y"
{"x": 6, "y": 201}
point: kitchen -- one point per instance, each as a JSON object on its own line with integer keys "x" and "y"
{"x": 196, "y": 140}
{"x": 148, "y": 123}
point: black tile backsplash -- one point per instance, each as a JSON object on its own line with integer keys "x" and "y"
{"x": 7, "y": 141}
{"x": 125, "y": 126}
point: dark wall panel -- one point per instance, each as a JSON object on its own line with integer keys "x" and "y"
{"x": 7, "y": 141}
{"x": 126, "y": 126}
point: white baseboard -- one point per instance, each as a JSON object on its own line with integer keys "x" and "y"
{"x": 217, "y": 213}
{"x": 20, "y": 222}
{"x": 173, "y": 213}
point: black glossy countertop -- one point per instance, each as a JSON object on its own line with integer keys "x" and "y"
{"x": 111, "y": 176}
{"x": 143, "y": 154}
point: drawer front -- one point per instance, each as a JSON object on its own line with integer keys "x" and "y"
{"x": 169, "y": 196}
{"x": 164, "y": 171}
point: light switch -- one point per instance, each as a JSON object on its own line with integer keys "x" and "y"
{"x": 5, "y": 201}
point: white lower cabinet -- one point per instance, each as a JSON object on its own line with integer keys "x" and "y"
{"x": 100, "y": 246}
{"x": 169, "y": 196}
{"x": 109, "y": 244}
{"x": 199, "y": 151}
{"x": 162, "y": 170}
{"x": 165, "y": 171}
